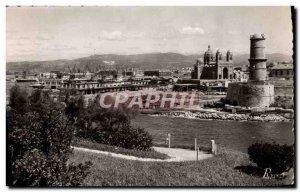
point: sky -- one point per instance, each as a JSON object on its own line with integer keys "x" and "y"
{"x": 50, "y": 33}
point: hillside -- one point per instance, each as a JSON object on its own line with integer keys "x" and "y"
{"x": 113, "y": 61}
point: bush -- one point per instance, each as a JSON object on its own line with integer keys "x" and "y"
{"x": 132, "y": 138}
{"x": 39, "y": 145}
{"x": 112, "y": 128}
{"x": 279, "y": 158}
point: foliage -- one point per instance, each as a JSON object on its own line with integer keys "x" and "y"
{"x": 110, "y": 127}
{"x": 74, "y": 107}
{"x": 279, "y": 158}
{"x": 18, "y": 100}
{"x": 36, "y": 168}
{"x": 39, "y": 145}
{"x": 113, "y": 128}
{"x": 39, "y": 100}
{"x": 79, "y": 142}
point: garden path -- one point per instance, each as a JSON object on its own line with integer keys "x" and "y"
{"x": 176, "y": 154}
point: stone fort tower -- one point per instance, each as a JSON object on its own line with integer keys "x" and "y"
{"x": 257, "y": 92}
{"x": 257, "y": 58}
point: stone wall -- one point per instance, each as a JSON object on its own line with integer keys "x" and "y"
{"x": 250, "y": 94}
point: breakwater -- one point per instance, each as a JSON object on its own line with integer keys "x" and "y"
{"x": 225, "y": 116}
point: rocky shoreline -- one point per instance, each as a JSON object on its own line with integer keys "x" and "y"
{"x": 225, "y": 116}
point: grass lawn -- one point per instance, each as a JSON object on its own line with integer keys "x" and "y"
{"x": 217, "y": 171}
{"x": 109, "y": 148}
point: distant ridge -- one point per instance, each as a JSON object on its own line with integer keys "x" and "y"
{"x": 144, "y": 61}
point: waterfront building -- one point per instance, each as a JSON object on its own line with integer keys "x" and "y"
{"x": 85, "y": 87}
{"x": 282, "y": 71}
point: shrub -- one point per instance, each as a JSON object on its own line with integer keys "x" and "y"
{"x": 113, "y": 128}
{"x": 132, "y": 138}
{"x": 117, "y": 133}
{"x": 279, "y": 158}
{"x": 39, "y": 146}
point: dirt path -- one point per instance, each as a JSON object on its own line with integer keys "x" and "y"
{"x": 175, "y": 154}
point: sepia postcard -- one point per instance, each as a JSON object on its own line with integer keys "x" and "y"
{"x": 150, "y": 96}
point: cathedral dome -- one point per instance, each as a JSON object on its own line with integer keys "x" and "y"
{"x": 208, "y": 53}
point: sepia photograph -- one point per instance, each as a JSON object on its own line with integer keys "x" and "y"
{"x": 150, "y": 96}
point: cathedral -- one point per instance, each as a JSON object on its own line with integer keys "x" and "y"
{"x": 214, "y": 66}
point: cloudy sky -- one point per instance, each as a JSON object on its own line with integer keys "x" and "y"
{"x": 46, "y": 33}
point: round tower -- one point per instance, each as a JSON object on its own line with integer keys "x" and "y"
{"x": 257, "y": 60}
{"x": 257, "y": 92}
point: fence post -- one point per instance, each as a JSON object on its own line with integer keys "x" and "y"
{"x": 216, "y": 149}
{"x": 195, "y": 143}
{"x": 169, "y": 139}
{"x": 197, "y": 153}
{"x": 212, "y": 146}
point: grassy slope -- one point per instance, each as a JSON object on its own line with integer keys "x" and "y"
{"x": 217, "y": 171}
{"x": 102, "y": 147}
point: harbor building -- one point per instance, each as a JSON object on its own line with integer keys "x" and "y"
{"x": 282, "y": 71}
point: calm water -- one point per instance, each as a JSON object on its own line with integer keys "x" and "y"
{"x": 231, "y": 134}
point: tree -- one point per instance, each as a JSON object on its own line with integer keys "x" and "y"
{"x": 39, "y": 146}
{"x": 18, "y": 100}
{"x": 75, "y": 106}
{"x": 39, "y": 100}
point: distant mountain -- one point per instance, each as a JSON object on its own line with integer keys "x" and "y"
{"x": 113, "y": 61}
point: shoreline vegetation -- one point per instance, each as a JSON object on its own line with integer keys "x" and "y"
{"x": 224, "y": 116}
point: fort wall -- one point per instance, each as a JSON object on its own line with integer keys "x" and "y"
{"x": 250, "y": 94}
